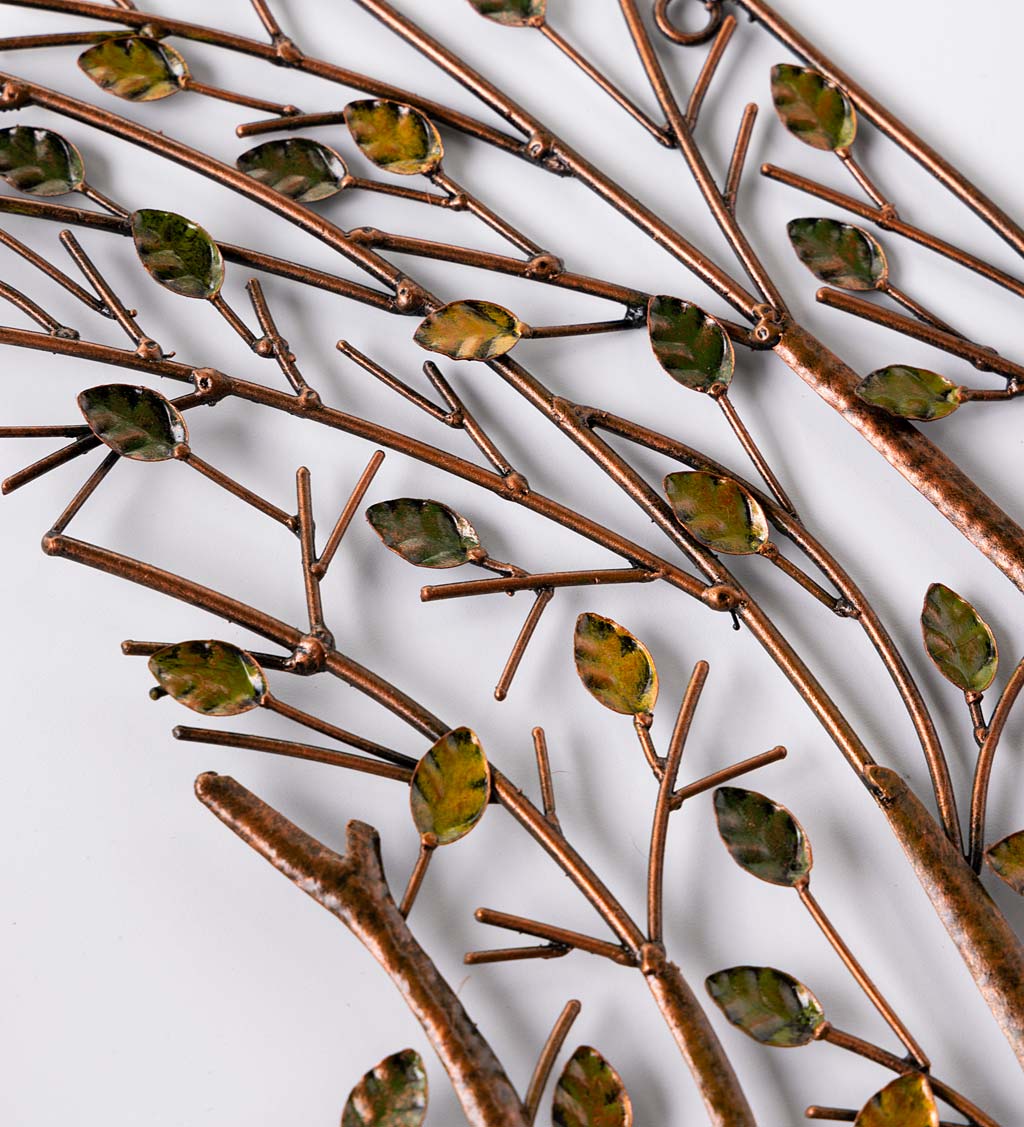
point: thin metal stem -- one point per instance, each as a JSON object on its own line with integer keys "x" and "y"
{"x": 307, "y": 539}
{"x": 240, "y": 327}
{"x": 276, "y": 343}
{"x": 753, "y": 452}
{"x": 918, "y": 310}
{"x": 44, "y": 432}
{"x": 986, "y": 761}
{"x": 236, "y": 489}
{"x": 391, "y": 381}
{"x": 280, "y": 662}
{"x": 290, "y": 123}
{"x": 33, "y": 311}
{"x": 50, "y": 462}
{"x": 737, "y": 162}
{"x": 52, "y": 39}
{"x": 88, "y": 489}
{"x": 538, "y": 583}
{"x": 515, "y": 658}
{"x": 462, "y": 199}
{"x": 713, "y": 60}
{"x": 548, "y": 1056}
{"x": 726, "y": 775}
{"x": 351, "y": 507}
{"x": 267, "y": 18}
{"x": 515, "y": 954}
{"x": 428, "y": 847}
{"x": 52, "y": 272}
{"x": 104, "y": 201}
{"x": 835, "y": 603}
{"x": 584, "y": 329}
{"x": 976, "y": 710}
{"x": 547, "y": 786}
{"x": 642, "y": 727}
{"x": 558, "y": 935}
{"x": 399, "y": 191}
{"x": 261, "y": 104}
{"x": 875, "y": 194}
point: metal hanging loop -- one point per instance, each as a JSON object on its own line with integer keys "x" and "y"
{"x": 688, "y": 38}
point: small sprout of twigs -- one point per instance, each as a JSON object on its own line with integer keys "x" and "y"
{"x": 768, "y": 1005}
{"x": 470, "y": 330}
{"x": 590, "y": 1093}
{"x": 690, "y": 344}
{"x": 425, "y": 533}
{"x": 812, "y": 108}
{"x": 133, "y": 421}
{"x": 718, "y": 511}
{"x": 762, "y": 836}
{"x": 298, "y": 167}
{"x": 394, "y": 1094}
{"x": 178, "y": 253}
{"x": 513, "y": 13}
{"x": 1006, "y": 858}
{"x": 135, "y": 67}
{"x": 395, "y": 137}
{"x": 451, "y": 787}
{"x": 911, "y": 393}
{"x": 39, "y": 161}
{"x": 214, "y": 678}
{"x": 907, "y": 1102}
{"x": 839, "y": 253}
{"x": 959, "y": 640}
{"x": 615, "y": 667}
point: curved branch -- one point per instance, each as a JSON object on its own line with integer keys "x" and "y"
{"x": 986, "y": 761}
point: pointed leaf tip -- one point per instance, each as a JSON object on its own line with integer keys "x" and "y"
{"x": 425, "y": 533}
{"x": 718, "y": 511}
{"x": 762, "y": 836}
{"x": 394, "y": 1094}
{"x": 394, "y": 136}
{"x": 812, "y": 108}
{"x": 39, "y": 162}
{"x": 690, "y": 344}
{"x": 135, "y": 67}
{"x": 133, "y": 421}
{"x": 451, "y": 787}
{"x": 616, "y": 668}
{"x": 907, "y": 1102}
{"x": 958, "y": 640}
{"x": 297, "y": 167}
{"x": 590, "y": 1093}
{"x": 214, "y": 678}
{"x": 470, "y": 330}
{"x": 910, "y": 393}
{"x": 178, "y": 253}
{"x": 839, "y": 253}
{"x": 768, "y": 1005}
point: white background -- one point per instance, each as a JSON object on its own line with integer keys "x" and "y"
{"x": 155, "y": 970}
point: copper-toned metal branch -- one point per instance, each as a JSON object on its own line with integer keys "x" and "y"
{"x": 663, "y": 808}
{"x": 918, "y": 310}
{"x": 463, "y": 200}
{"x": 835, "y": 603}
{"x": 726, "y": 775}
{"x": 515, "y": 954}
{"x": 560, "y": 936}
{"x": 280, "y": 662}
{"x": 738, "y": 161}
{"x": 52, "y": 272}
{"x": 307, "y": 539}
{"x": 58, "y": 458}
{"x": 185, "y": 454}
{"x": 547, "y": 786}
{"x": 34, "y": 311}
{"x": 267, "y": 18}
{"x": 272, "y": 339}
{"x": 873, "y": 192}
{"x": 975, "y": 708}
{"x": 753, "y": 452}
{"x": 219, "y": 303}
{"x": 88, "y": 489}
{"x": 986, "y": 761}
{"x": 319, "y": 568}
{"x": 584, "y": 329}
{"x": 261, "y": 104}
{"x": 399, "y": 191}
{"x": 290, "y": 123}
{"x": 428, "y": 847}
{"x": 522, "y": 641}
{"x": 642, "y": 727}
{"x": 546, "y": 581}
{"x": 51, "y": 39}
{"x": 43, "y": 432}
{"x": 391, "y": 381}
{"x": 715, "y": 54}
{"x": 548, "y": 1056}
{"x": 104, "y": 201}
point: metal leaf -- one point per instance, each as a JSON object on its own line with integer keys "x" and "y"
{"x": 513, "y": 13}
{"x": 911, "y": 393}
{"x": 178, "y": 253}
{"x": 135, "y": 67}
{"x": 616, "y": 668}
{"x": 214, "y": 678}
{"x": 762, "y": 836}
{"x": 297, "y": 167}
{"x": 39, "y": 161}
{"x": 690, "y": 344}
{"x": 133, "y": 421}
{"x": 1007, "y": 860}
{"x": 839, "y": 253}
{"x": 959, "y": 640}
{"x": 812, "y": 108}
{"x": 394, "y": 1094}
{"x": 906, "y": 1102}
{"x": 718, "y": 511}
{"x": 470, "y": 330}
{"x": 768, "y": 1005}
{"x": 451, "y": 787}
{"x": 394, "y": 136}
{"x": 425, "y": 533}
{"x": 590, "y": 1093}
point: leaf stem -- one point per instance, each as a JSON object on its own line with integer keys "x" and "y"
{"x": 544, "y": 597}
{"x": 548, "y": 1056}
{"x": 986, "y": 761}
{"x": 428, "y": 847}
{"x": 351, "y": 507}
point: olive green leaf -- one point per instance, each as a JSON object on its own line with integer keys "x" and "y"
{"x": 470, "y": 330}
{"x": 839, "y": 253}
{"x": 762, "y": 836}
{"x": 690, "y": 344}
{"x": 394, "y": 1094}
{"x": 590, "y": 1093}
{"x": 513, "y": 13}
{"x": 395, "y": 137}
{"x": 425, "y": 533}
{"x": 39, "y": 162}
{"x": 297, "y": 167}
{"x": 911, "y": 393}
{"x": 133, "y": 421}
{"x": 178, "y": 253}
{"x": 616, "y": 668}
{"x": 812, "y": 108}
{"x": 767, "y": 1005}
{"x": 959, "y": 640}
{"x": 451, "y": 787}
{"x": 214, "y": 678}
{"x": 135, "y": 67}
{"x": 906, "y": 1102}
{"x": 718, "y": 511}
{"x": 1007, "y": 860}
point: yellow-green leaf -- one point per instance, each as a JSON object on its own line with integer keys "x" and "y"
{"x": 425, "y": 533}
{"x": 768, "y": 1005}
{"x": 616, "y": 668}
{"x": 690, "y": 344}
{"x": 451, "y": 787}
{"x": 135, "y": 67}
{"x": 297, "y": 167}
{"x": 133, "y": 421}
{"x": 812, "y": 108}
{"x": 39, "y": 161}
{"x": 178, "y": 253}
{"x": 839, "y": 253}
{"x": 906, "y": 1102}
{"x": 590, "y": 1093}
{"x": 1007, "y": 860}
{"x": 513, "y": 13}
{"x": 394, "y": 136}
{"x": 718, "y": 511}
{"x": 394, "y": 1094}
{"x": 762, "y": 836}
{"x": 911, "y": 393}
{"x": 214, "y": 678}
{"x": 959, "y": 640}
{"x": 470, "y": 330}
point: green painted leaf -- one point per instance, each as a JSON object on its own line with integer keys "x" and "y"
{"x": 297, "y": 167}
{"x": 425, "y": 533}
{"x": 762, "y": 836}
{"x": 1007, "y": 860}
{"x": 470, "y": 330}
{"x": 906, "y": 1102}
{"x": 910, "y": 393}
{"x": 616, "y": 668}
{"x": 135, "y": 68}
{"x": 690, "y": 344}
{"x": 451, "y": 787}
{"x": 839, "y": 253}
{"x": 767, "y": 1005}
{"x": 812, "y": 108}
{"x": 718, "y": 511}
{"x": 214, "y": 678}
{"x": 394, "y": 1094}
{"x": 39, "y": 161}
{"x": 959, "y": 640}
{"x": 590, "y": 1093}
{"x": 513, "y": 13}
{"x": 395, "y": 137}
{"x": 133, "y": 421}
{"x": 178, "y": 253}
